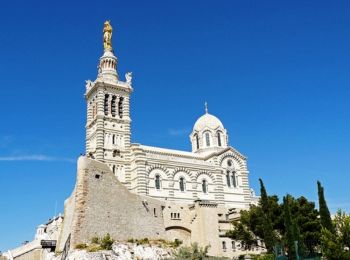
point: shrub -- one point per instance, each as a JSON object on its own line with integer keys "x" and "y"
{"x": 143, "y": 241}
{"x": 95, "y": 240}
{"x": 94, "y": 248}
{"x": 107, "y": 242}
{"x": 131, "y": 240}
{"x": 81, "y": 246}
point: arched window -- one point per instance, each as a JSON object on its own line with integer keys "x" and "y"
{"x": 182, "y": 184}
{"x": 120, "y": 107}
{"x": 106, "y": 105}
{"x": 229, "y": 163}
{"x": 113, "y": 139}
{"x": 233, "y": 243}
{"x": 224, "y": 246}
{"x": 113, "y": 168}
{"x": 197, "y": 141}
{"x": 228, "y": 179}
{"x": 219, "y": 139}
{"x": 207, "y": 139}
{"x": 157, "y": 182}
{"x": 204, "y": 186}
{"x": 234, "y": 181}
{"x": 113, "y": 105}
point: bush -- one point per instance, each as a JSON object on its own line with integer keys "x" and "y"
{"x": 94, "y": 248}
{"x": 263, "y": 257}
{"x": 95, "y": 240}
{"x": 81, "y": 246}
{"x": 130, "y": 240}
{"x": 143, "y": 241}
{"x": 194, "y": 252}
{"x": 107, "y": 242}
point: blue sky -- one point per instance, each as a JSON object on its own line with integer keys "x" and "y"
{"x": 275, "y": 72}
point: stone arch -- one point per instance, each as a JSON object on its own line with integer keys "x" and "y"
{"x": 209, "y": 174}
{"x": 234, "y": 156}
{"x": 181, "y": 169}
{"x": 160, "y": 167}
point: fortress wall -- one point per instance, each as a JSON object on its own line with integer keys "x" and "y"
{"x": 100, "y": 204}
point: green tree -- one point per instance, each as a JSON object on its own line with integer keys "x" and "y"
{"x": 335, "y": 245}
{"x": 290, "y": 232}
{"x": 306, "y": 218}
{"x": 268, "y": 233}
{"x": 325, "y": 216}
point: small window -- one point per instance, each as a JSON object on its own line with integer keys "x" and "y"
{"x": 182, "y": 184}
{"x": 229, "y": 163}
{"x": 204, "y": 186}
{"x": 219, "y": 139}
{"x": 113, "y": 139}
{"x": 113, "y": 169}
{"x": 234, "y": 181}
{"x": 224, "y": 246}
{"x": 207, "y": 139}
{"x": 233, "y": 243}
{"x": 228, "y": 179}
{"x": 197, "y": 141}
{"x": 155, "y": 212}
{"x": 157, "y": 182}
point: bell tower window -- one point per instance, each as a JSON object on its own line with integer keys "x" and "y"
{"x": 106, "y": 105}
{"x": 113, "y": 105}
{"x": 120, "y": 107}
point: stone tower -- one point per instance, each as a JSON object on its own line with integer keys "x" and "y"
{"x": 108, "y": 111}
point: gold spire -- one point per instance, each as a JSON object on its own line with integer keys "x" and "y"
{"x": 107, "y": 36}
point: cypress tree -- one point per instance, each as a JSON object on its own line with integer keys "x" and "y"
{"x": 325, "y": 216}
{"x": 288, "y": 223}
{"x": 269, "y": 236}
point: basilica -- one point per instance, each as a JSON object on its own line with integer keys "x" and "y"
{"x": 213, "y": 171}
{"x": 136, "y": 191}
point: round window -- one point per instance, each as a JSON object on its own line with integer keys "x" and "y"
{"x": 229, "y": 163}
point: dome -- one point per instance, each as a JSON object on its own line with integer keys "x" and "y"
{"x": 207, "y": 120}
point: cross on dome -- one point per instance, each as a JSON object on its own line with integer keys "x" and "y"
{"x": 206, "y": 107}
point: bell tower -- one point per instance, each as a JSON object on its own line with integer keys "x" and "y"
{"x": 108, "y": 111}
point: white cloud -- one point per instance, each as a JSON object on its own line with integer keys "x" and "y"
{"x": 35, "y": 157}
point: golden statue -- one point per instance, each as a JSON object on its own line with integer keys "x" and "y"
{"x": 107, "y": 36}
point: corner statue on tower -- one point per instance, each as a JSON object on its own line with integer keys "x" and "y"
{"x": 107, "y": 36}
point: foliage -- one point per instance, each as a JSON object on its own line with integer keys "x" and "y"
{"x": 263, "y": 257}
{"x": 335, "y": 245}
{"x": 94, "y": 248}
{"x": 107, "y": 242}
{"x": 304, "y": 223}
{"x": 142, "y": 241}
{"x": 193, "y": 252}
{"x": 291, "y": 233}
{"x": 95, "y": 240}
{"x": 81, "y": 246}
{"x": 268, "y": 232}
{"x": 326, "y": 220}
